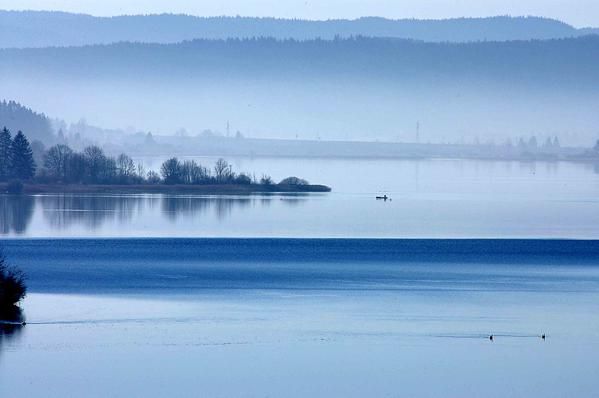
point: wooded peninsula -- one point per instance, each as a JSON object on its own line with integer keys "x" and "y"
{"x": 92, "y": 171}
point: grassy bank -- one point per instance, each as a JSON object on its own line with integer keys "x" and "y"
{"x": 224, "y": 189}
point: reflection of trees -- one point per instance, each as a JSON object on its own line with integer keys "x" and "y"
{"x": 10, "y": 324}
{"x": 16, "y": 212}
{"x": 292, "y": 201}
{"x": 175, "y": 206}
{"x": 92, "y": 211}
{"x": 62, "y": 211}
{"x": 222, "y": 206}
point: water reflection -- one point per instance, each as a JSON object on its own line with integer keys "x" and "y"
{"x": 449, "y": 198}
{"x": 91, "y": 211}
{"x": 15, "y": 213}
{"x": 11, "y": 326}
{"x": 11, "y": 314}
{"x": 65, "y": 211}
{"x": 174, "y": 207}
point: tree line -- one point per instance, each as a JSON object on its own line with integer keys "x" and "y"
{"x": 61, "y": 164}
{"x": 559, "y": 62}
{"x": 16, "y": 157}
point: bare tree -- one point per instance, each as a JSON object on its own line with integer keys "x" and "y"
{"x": 125, "y": 167}
{"x": 193, "y": 173}
{"x": 171, "y": 171}
{"x": 153, "y": 177}
{"x": 76, "y": 168}
{"x": 141, "y": 171}
{"x": 95, "y": 161}
{"x": 109, "y": 171}
{"x": 223, "y": 171}
{"x": 56, "y": 161}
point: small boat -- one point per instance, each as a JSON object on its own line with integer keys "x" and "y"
{"x": 385, "y": 198}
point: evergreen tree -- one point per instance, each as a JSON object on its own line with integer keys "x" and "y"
{"x": 5, "y": 145}
{"x": 22, "y": 163}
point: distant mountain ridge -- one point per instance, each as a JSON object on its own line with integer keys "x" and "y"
{"x": 557, "y": 63}
{"x": 359, "y": 88}
{"x": 22, "y": 29}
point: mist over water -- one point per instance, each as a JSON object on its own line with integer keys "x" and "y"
{"x": 362, "y": 88}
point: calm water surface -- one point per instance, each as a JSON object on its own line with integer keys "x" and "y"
{"x": 255, "y": 318}
{"x": 319, "y": 317}
{"x": 430, "y": 198}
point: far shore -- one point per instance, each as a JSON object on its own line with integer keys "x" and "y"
{"x": 223, "y": 189}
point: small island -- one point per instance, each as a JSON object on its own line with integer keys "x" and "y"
{"x": 64, "y": 170}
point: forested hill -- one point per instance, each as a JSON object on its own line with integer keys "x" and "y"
{"x": 360, "y": 88}
{"x": 19, "y": 29}
{"x": 16, "y": 117}
{"x": 551, "y": 63}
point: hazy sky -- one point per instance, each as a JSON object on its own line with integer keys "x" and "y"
{"x": 576, "y": 12}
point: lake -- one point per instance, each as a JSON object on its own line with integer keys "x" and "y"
{"x": 206, "y": 295}
{"x": 430, "y": 198}
{"x": 296, "y": 318}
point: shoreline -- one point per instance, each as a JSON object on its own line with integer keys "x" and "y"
{"x": 223, "y": 189}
